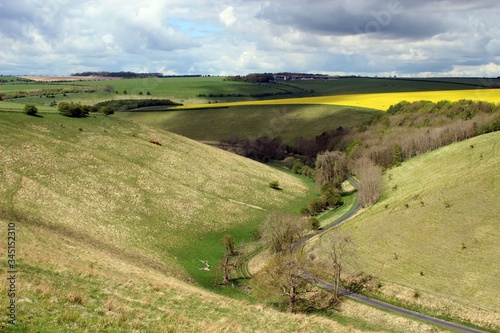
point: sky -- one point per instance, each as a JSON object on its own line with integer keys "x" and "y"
{"x": 222, "y": 37}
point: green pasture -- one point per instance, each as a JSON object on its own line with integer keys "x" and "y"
{"x": 111, "y": 228}
{"x": 436, "y": 226}
{"x": 250, "y": 122}
{"x": 364, "y": 85}
{"x": 186, "y": 89}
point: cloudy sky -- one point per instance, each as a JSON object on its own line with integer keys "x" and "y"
{"x": 220, "y": 37}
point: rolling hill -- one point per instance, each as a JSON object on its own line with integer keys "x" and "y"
{"x": 432, "y": 238}
{"x": 104, "y": 217}
{"x": 110, "y": 230}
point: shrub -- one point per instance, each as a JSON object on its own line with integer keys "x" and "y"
{"x": 73, "y": 110}
{"x": 297, "y": 167}
{"x": 313, "y": 223}
{"x": 274, "y": 184}
{"x": 316, "y": 206}
{"x": 107, "y": 110}
{"x": 305, "y": 211}
{"x": 30, "y": 109}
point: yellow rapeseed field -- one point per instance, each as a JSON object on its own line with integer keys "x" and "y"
{"x": 379, "y": 101}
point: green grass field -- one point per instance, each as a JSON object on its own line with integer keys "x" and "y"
{"x": 435, "y": 230}
{"x": 286, "y": 121}
{"x": 110, "y": 229}
{"x": 84, "y": 169}
{"x": 186, "y": 89}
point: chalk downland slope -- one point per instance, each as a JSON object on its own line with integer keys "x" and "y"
{"x": 436, "y": 228}
{"x": 99, "y": 211}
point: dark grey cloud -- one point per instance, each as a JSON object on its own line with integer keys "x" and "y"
{"x": 380, "y": 19}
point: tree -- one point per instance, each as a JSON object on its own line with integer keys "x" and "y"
{"x": 331, "y": 167}
{"x": 339, "y": 249}
{"x": 397, "y": 155}
{"x": 282, "y": 276}
{"x": 228, "y": 242}
{"x": 30, "y": 109}
{"x": 73, "y": 110}
{"x": 370, "y": 181}
{"x": 107, "y": 110}
{"x": 280, "y": 231}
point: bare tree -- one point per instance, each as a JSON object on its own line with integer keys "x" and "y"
{"x": 228, "y": 242}
{"x": 331, "y": 167}
{"x": 370, "y": 181}
{"x": 339, "y": 249}
{"x": 280, "y": 231}
{"x": 282, "y": 276}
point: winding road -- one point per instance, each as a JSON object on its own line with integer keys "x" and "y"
{"x": 370, "y": 301}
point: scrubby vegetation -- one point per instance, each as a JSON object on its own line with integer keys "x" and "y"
{"x": 30, "y": 109}
{"x": 130, "y": 104}
{"x": 406, "y": 130}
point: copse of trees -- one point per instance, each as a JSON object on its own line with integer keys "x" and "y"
{"x": 406, "y": 130}
{"x": 370, "y": 181}
{"x": 129, "y": 104}
{"x": 253, "y": 78}
{"x": 331, "y": 168}
{"x": 74, "y": 110}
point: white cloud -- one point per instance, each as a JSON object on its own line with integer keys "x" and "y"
{"x": 227, "y": 16}
{"x": 237, "y": 37}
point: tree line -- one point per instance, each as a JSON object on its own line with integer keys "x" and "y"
{"x": 54, "y": 91}
{"x": 406, "y": 130}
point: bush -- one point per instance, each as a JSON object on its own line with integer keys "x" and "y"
{"x": 73, "y": 110}
{"x": 30, "y": 109}
{"x": 305, "y": 211}
{"x": 274, "y": 185}
{"x": 313, "y": 223}
{"x": 316, "y": 206}
{"x": 297, "y": 168}
{"x": 107, "y": 110}
{"x": 330, "y": 196}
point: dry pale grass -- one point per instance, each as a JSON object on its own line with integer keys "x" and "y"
{"x": 442, "y": 305}
{"x": 386, "y": 319}
{"x": 435, "y": 230}
{"x": 109, "y": 185}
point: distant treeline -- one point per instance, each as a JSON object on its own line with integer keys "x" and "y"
{"x": 118, "y": 74}
{"x": 131, "y": 75}
{"x": 404, "y": 131}
{"x": 253, "y": 78}
{"x": 264, "y": 94}
{"x": 129, "y": 104}
{"x": 5, "y": 95}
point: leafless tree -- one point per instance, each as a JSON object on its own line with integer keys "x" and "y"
{"x": 228, "y": 242}
{"x": 370, "y": 181}
{"x": 340, "y": 251}
{"x": 280, "y": 231}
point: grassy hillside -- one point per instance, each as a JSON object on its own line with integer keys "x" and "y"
{"x": 435, "y": 230}
{"x": 65, "y": 284}
{"x": 110, "y": 229}
{"x": 287, "y": 121}
{"x": 100, "y": 178}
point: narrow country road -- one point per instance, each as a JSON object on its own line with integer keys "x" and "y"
{"x": 370, "y": 301}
